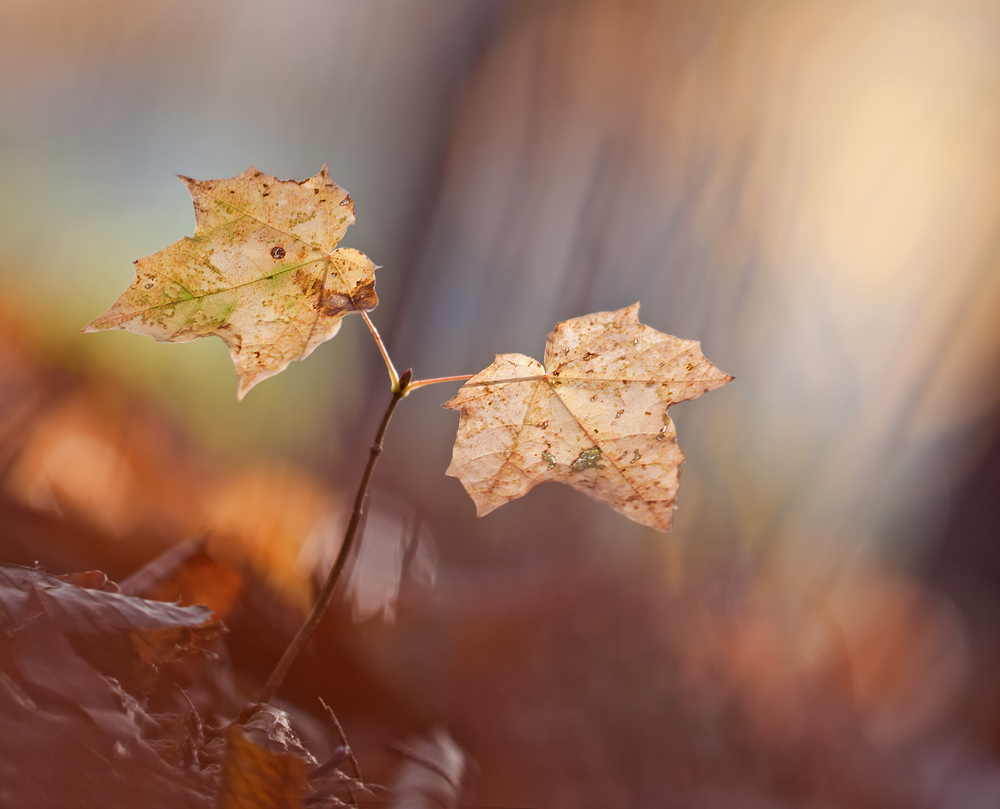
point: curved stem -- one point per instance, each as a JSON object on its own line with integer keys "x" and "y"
{"x": 326, "y": 595}
{"x": 393, "y": 376}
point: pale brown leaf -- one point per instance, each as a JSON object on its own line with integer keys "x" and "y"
{"x": 261, "y": 272}
{"x": 594, "y": 417}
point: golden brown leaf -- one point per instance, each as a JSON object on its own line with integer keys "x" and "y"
{"x": 261, "y": 272}
{"x": 594, "y": 416}
{"x": 255, "y": 777}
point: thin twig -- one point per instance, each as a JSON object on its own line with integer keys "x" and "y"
{"x": 393, "y": 376}
{"x": 343, "y": 739}
{"x": 164, "y": 565}
{"x": 424, "y": 761}
{"x": 326, "y": 594}
{"x": 421, "y": 383}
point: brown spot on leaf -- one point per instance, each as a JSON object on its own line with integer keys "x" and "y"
{"x": 310, "y": 286}
{"x": 364, "y": 296}
{"x": 336, "y": 304}
{"x": 277, "y": 252}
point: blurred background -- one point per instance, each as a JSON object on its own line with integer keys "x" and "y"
{"x": 812, "y": 190}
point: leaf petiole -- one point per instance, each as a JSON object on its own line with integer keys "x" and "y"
{"x": 422, "y": 383}
{"x": 393, "y": 375}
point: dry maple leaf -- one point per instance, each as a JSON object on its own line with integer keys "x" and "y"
{"x": 261, "y": 272}
{"x": 594, "y": 416}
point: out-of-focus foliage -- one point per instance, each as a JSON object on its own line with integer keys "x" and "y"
{"x": 132, "y": 637}
{"x": 87, "y": 449}
{"x": 567, "y": 687}
{"x": 77, "y": 659}
{"x": 106, "y": 669}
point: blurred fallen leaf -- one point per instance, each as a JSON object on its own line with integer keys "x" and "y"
{"x": 187, "y": 575}
{"x": 98, "y": 455}
{"x": 265, "y": 516}
{"x": 72, "y": 650}
{"x": 126, "y": 637}
{"x": 906, "y": 651}
{"x": 107, "y": 456}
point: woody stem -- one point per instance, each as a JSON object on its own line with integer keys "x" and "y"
{"x": 326, "y": 595}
